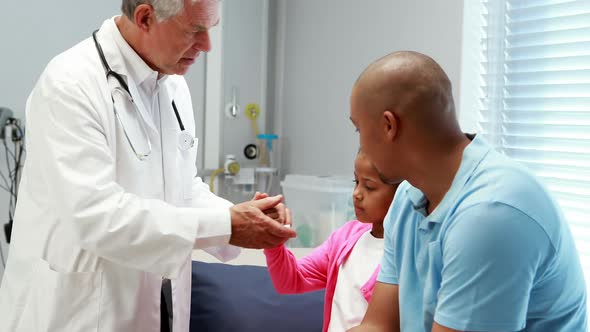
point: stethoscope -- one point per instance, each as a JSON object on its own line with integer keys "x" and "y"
{"x": 185, "y": 140}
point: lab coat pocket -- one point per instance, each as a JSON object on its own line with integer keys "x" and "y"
{"x": 62, "y": 301}
{"x": 189, "y": 169}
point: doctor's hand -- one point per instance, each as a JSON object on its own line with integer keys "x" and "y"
{"x": 252, "y": 228}
{"x": 280, "y": 213}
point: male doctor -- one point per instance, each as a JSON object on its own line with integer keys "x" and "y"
{"x": 109, "y": 205}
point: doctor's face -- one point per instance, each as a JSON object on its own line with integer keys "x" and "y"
{"x": 178, "y": 41}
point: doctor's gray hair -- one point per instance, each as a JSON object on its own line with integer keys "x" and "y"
{"x": 164, "y": 9}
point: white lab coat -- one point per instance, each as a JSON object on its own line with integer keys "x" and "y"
{"x": 93, "y": 237}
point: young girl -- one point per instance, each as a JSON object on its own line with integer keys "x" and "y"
{"x": 347, "y": 263}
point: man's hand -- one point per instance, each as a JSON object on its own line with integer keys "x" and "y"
{"x": 279, "y": 213}
{"x": 259, "y": 195}
{"x": 252, "y": 228}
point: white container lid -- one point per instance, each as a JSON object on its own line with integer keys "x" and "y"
{"x": 318, "y": 183}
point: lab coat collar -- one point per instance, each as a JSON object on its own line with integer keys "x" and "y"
{"x": 142, "y": 73}
{"x": 136, "y": 67}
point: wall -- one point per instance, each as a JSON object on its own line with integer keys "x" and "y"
{"x": 245, "y": 49}
{"x": 325, "y": 46}
{"x": 32, "y": 34}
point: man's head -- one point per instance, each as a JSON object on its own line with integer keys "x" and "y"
{"x": 402, "y": 106}
{"x": 169, "y": 34}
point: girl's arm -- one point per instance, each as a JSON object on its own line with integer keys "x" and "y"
{"x": 291, "y": 276}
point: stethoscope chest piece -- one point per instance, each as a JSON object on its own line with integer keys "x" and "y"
{"x": 185, "y": 141}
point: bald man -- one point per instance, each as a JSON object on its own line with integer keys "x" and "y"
{"x": 473, "y": 241}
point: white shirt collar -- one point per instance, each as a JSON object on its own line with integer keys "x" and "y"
{"x": 144, "y": 76}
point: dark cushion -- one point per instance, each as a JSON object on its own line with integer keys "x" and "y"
{"x": 228, "y": 298}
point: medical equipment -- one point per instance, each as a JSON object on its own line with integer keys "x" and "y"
{"x": 266, "y": 155}
{"x": 5, "y": 116}
{"x": 251, "y": 151}
{"x": 232, "y": 109}
{"x": 185, "y": 140}
{"x": 230, "y": 168}
{"x": 254, "y": 172}
{"x": 11, "y": 131}
{"x": 252, "y": 111}
{"x": 231, "y": 165}
{"x": 266, "y": 173}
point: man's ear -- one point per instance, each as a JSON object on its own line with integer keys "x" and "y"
{"x": 390, "y": 125}
{"x": 144, "y": 17}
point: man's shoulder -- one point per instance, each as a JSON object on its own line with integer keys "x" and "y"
{"x": 499, "y": 179}
{"x": 496, "y": 167}
{"x": 75, "y": 63}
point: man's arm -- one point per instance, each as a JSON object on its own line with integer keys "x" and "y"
{"x": 491, "y": 254}
{"x": 383, "y": 311}
{"x": 204, "y": 198}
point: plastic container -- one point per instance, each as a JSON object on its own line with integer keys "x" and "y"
{"x": 319, "y": 204}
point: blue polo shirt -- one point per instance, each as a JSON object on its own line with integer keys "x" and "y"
{"x": 495, "y": 255}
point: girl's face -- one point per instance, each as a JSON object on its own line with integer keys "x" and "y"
{"x": 371, "y": 197}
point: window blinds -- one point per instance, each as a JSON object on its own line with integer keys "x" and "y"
{"x": 535, "y": 97}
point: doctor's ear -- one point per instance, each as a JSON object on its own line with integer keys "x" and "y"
{"x": 144, "y": 16}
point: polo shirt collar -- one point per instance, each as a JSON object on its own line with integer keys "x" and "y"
{"x": 472, "y": 156}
